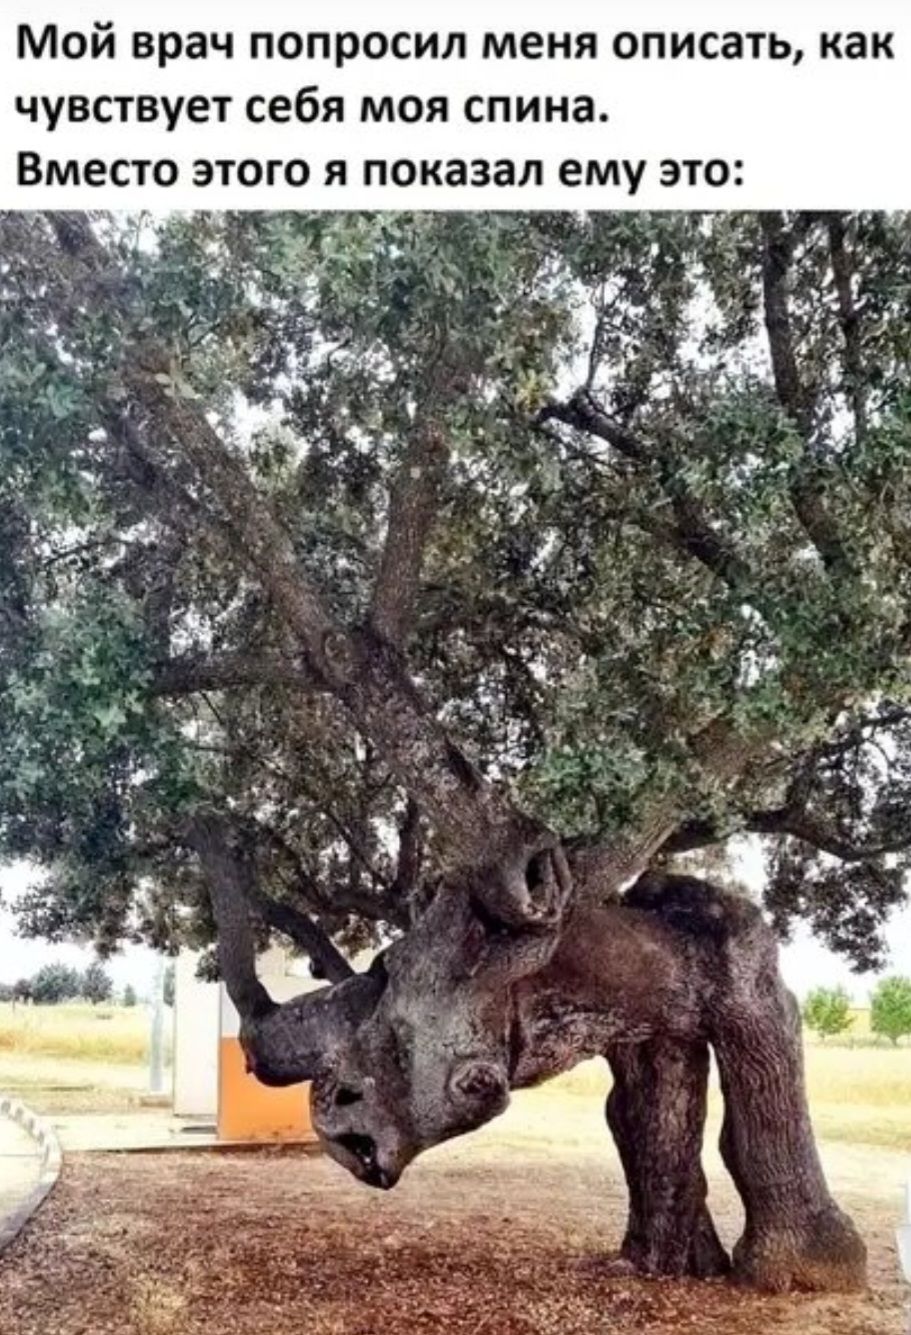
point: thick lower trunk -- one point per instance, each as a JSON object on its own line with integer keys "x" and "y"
{"x": 796, "y": 1237}
{"x": 656, "y": 1112}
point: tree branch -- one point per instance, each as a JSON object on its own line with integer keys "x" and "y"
{"x": 723, "y": 752}
{"x": 799, "y": 824}
{"x": 284, "y": 1044}
{"x": 412, "y": 504}
{"x": 192, "y": 674}
{"x": 408, "y": 863}
{"x": 807, "y": 487}
{"x": 306, "y": 933}
{"x": 776, "y": 267}
{"x": 366, "y": 673}
{"x": 378, "y": 906}
{"x": 692, "y": 533}
{"x": 849, "y": 319}
{"x": 229, "y": 879}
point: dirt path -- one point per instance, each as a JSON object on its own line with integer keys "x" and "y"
{"x": 494, "y": 1236}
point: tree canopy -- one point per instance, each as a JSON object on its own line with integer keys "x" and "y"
{"x": 827, "y": 1011}
{"x": 890, "y": 1008}
{"x": 96, "y": 984}
{"x": 627, "y": 498}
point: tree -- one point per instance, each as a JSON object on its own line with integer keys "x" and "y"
{"x": 890, "y": 1008}
{"x": 329, "y": 611}
{"x": 54, "y": 983}
{"x": 7, "y": 992}
{"x": 96, "y": 983}
{"x": 827, "y": 1010}
{"x": 22, "y": 990}
{"x": 129, "y": 995}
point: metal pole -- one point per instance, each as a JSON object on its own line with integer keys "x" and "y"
{"x": 156, "y": 1033}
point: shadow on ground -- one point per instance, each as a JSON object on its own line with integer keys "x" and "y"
{"x": 497, "y": 1235}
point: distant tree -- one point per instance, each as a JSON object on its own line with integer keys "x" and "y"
{"x": 129, "y": 995}
{"x": 22, "y": 990}
{"x": 168, "y": 985}
{"x": 7, "y": 992}
{"x": 54, "y": 983}
{"x": 890, "y": 1008}
{"x": 96, "y": 984}
{"x": 827, "y": 1011}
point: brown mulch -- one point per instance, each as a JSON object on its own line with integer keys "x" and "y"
{"x": 275, "y": 1243}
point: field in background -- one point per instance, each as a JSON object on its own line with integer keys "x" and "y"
{"x": 78, "y": 1057}
{"x": 858, "y": 1094}
{"x": 104, "y": 1033}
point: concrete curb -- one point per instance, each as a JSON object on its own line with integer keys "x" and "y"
{"x": 51, "y": 1162}
{"x": 308, "y": 1148}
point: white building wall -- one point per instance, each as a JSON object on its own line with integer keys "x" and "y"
{"x": 274, "y": 968}
{"x": 195, "y": 1040}
{"x": 203, "y": 1013}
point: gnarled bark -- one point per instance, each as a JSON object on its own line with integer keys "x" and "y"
{"x": 464, "y": 1007}
{"x": 656, "y": 1112}
{"x": 795, "y": 1236}
{"x": 518, "y": 971}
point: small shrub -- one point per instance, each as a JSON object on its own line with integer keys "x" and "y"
{"x": 890, "y": 1008}
{"x": 827, "y": 1011}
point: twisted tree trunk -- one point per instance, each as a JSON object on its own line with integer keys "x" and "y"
{"x": 795, "y": 1236}
{"x": 656, "y": 1112}
{"x": 498, "y": 984}
{"x": 427, "y": 1044}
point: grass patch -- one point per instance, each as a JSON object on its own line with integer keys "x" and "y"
{"x": 76, "y": 1030}
{"x": 858, "y": 1095}
{"x": 80, "y": 1058}
{"x": 861, "y": 1076}
{"x": 64, "y": 1085}
{"x": 57, "y": 1100}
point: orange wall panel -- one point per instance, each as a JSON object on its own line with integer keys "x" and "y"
{"x": 248, "y": 1110}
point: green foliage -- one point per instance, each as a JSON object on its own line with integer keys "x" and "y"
{"x": 890, "y": 1008}
{"x": 96, "y": 984}
{"x": 566, "y": 635}
{"x": 54, "y": 983}
{"x": 129, "y": 995}
{"x": 827, "y": 1011}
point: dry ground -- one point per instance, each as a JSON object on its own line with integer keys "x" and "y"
{"x": 503, "y": 1233}
{"x": 51, "y": 1085}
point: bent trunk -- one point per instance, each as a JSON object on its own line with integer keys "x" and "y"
{"x": 795, "y": 1236}
{"x": 656, "y": 1113}
{"x": 297, "y": 1040}
{"x": 650, "y": 984}
{"x": 425, "y": 1046}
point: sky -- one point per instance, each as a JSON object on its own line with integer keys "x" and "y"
{"x": 20, "y": 957}
{"x": 805, "y": 962}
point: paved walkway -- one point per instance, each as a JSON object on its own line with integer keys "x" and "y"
{"x": 150, "y": 1129}
{"x": 20, "y": 1166}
